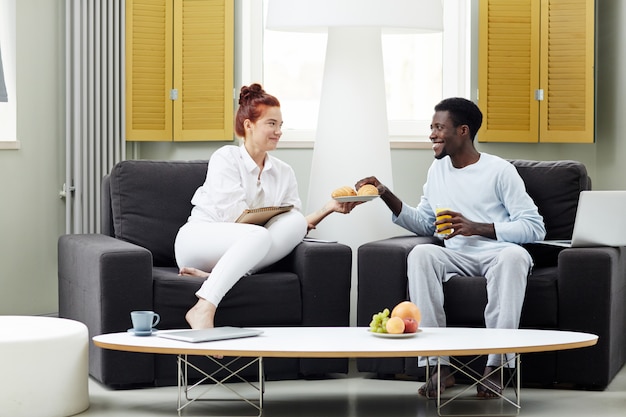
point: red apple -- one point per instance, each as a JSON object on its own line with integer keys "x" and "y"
{"x": 410, "y": 325}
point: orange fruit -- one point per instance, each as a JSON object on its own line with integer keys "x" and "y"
{"x": 405, "y": 310}
{"x": 395, "y": 325}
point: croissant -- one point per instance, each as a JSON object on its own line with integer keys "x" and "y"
{"x": 368, "y": 189}
{"x": 343, "y": 192}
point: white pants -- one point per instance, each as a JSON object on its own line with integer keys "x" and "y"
{"x": 231, "y": 250}
{"x": 506, "y": 271}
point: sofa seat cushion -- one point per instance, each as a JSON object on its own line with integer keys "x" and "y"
{"x": 256, "y": 300}
{"x": 465, "y": 301}
{"x": 466, "y": 298}
{"x": 541, "y": 306}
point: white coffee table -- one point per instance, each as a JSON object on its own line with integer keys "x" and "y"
{"x": 351, "y": 342}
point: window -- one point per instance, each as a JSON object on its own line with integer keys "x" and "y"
{"x": 420, "y": 70}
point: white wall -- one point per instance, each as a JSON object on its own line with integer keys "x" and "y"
{"x": 32, "y": 215}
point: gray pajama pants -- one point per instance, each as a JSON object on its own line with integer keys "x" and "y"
{"x": 506, "y": 271}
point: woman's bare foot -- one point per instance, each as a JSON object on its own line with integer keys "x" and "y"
{"x": 201, "y": 315}
{"x": 490, "y": 385}
{"x": 193, "y": 272}
{"x": 429, "y": 389}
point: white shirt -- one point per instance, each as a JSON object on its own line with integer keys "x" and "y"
{"x": 489, "y": 191}
{"x": 232, "y": 184}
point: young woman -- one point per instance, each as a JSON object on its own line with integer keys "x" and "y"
{"x": 211, "y": 245}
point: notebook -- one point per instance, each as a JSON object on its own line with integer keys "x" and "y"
{"x": 262, "y": 215}
{"x": 589, "y": 229}
{"x": 209, "y": 335}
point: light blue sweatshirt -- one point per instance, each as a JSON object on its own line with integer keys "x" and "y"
{"x": 489, "y": 191}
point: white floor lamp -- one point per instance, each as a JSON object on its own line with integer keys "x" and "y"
{"x": 352, "y": 136}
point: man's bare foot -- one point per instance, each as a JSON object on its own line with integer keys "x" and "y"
{"x": 201, "y": 315}
{"x": 193, "y": 272}
{"x": 429, "y": 389}
{"x": 490, "y": 385}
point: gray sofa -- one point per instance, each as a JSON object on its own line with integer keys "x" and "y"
{"x": 579, "y": 289}
{"x": 131, "y": 266}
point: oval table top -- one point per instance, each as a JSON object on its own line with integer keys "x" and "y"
{"x": 357, "y": 342}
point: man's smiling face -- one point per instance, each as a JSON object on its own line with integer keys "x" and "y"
{"x": 443, "y": 135}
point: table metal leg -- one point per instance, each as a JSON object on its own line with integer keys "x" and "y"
{"x": 233, "y": 375}
{"x": 513, "y": 381}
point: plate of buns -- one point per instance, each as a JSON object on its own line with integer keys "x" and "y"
{"x": 348, "y": 194}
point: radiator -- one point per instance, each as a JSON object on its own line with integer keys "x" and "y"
{"x": 94, "y": 41}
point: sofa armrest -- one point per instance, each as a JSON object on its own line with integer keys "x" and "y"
{"x": 382, "y": 277}
{"x": 102, "y": 279}
{"x": 592, "y": 298}
{"x": 325, "y": 271}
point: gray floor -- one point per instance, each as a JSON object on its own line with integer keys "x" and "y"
{"x": 357, "y": 395}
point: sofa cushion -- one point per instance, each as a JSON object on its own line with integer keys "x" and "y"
{"x": 260, "y": 294}
{"x": 151, "y": 200}
{"x": 555, "y": 186}
{"x": 466, "y": 299}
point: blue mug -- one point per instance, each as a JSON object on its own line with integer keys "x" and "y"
{"x": 144, "y": 321}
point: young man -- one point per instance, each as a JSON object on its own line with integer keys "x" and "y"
{"x": 490, "y": 216}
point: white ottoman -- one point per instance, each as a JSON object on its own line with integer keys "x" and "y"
{"x": 43, "y": 367}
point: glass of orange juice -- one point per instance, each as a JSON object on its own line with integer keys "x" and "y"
{"x": 439, "y": 209}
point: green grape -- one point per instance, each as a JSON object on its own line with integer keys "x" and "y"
{"x": 379, "y": 321}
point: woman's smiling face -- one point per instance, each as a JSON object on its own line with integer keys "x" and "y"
{"x": 266, "y": 131}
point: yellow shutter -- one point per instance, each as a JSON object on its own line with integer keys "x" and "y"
{"x": 186, "y": 46}
{"x": 204, "y": 70}
{"x": 527, "y": 46}
{"x": 567, "y": 112}
{"x": 148, "y": 69}
{"x": 508, "y": 69}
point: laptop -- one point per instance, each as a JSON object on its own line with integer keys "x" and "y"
{"x": 209, "y": 335}
{"x": 589, "y": 228}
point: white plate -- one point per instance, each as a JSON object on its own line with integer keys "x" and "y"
{"x": 396, "y": 335}
{"x": 355, "y": 198}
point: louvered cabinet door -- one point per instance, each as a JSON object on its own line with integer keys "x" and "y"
{"x": 179, "y": 70}
{"x": 536, "y": 75}
{"x": 567, "y": 74}
{"x": 203, "y": 76}
{"x": 508, "y": 70}
{"x": 148, "y": 69}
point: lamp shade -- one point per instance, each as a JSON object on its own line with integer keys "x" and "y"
{"x": 317, "y": 15}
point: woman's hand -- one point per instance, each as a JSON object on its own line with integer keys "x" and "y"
{"x": 342, "y": 207}
{"x": 330, "y": 207}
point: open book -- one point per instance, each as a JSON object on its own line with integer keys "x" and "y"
{"x": 261, "y": 215}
